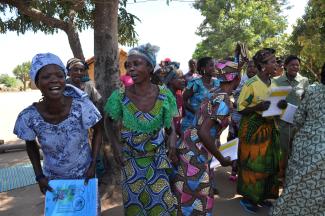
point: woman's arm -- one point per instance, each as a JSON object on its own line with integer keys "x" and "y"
{"x": 208, "y": 141}
{"x": 262, "y": 106}
{"x": 97, "y": 139}
{"x": 95, "y": 146}
{"x": 171, "y": 142}
{"x": 188, "y": 93}
{"x": 35, "y": 158}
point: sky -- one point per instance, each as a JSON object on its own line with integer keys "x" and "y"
{"x": 171, "y": 27}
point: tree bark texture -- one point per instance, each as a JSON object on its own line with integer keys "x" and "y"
{"x": 106, "y": 46}
{"x": 106, "y": 69}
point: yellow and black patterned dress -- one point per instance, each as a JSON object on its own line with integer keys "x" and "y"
{"x": 145, "y": 182}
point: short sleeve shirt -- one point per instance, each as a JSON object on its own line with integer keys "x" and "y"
{"x": 254, "y": 91}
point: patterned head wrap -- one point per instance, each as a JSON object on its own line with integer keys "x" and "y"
{"x": 147, "y": 51}
{"x": 228, "y": 70}
{"x": 42, "y": 59}
{"x": 165, "y": 76}
{"x": 73, "y": 61}
{"x": 262, "y": 56}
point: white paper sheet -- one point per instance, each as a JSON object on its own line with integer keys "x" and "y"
{"x": 229, "y": 149}
{"x": 277, "y": 94}
{"x": 289, "y": 113}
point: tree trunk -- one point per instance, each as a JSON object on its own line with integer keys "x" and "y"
{"x": 106, "y": 70}
{"x": 74, "y": 42}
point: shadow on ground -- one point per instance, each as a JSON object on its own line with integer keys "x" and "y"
{"x": 30, "y": 202}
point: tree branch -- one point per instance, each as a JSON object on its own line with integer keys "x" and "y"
{"x": 77, "y": 6}
{"x": 36, "y": 14}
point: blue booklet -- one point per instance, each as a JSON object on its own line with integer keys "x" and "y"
{"x": 72, "y": 198}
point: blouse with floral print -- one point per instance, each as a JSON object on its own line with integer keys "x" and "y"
{"x": 65, "y": 145}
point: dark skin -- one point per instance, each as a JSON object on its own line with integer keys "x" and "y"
{"x": 55, "y": 108}
{"x": 209, "y": 142}
{"x": 267, "y": 69}
{"x": 192, "y": 66}
{"x": 206, "y": 78}
{"x": 251, "y": 69}
{"x": 178, "y": 83}
{"x": 143, "y": 94}
{"x": 77, "y": 71}
{"x": 292, "y": 69}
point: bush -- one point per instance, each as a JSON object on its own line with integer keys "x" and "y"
{"x": 8, "y": 81}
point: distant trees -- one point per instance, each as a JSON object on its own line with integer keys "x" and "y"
{"x": 8, "y": 81}
{"x": 256, "y": 23}
{"x": 22, "y": 73}
{"x": 308, "y": 38}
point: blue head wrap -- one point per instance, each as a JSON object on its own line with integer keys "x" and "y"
{"x": 42, "y": 59}
{"x": 147, "y": 51}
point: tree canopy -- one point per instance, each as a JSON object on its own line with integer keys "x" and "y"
{"x": 307, "y": 38}
{"x": 69, "y": 16}
{"x": 21, "y": 72}
{"x": 8, "y": 81}
{"x": 255, "y": 23}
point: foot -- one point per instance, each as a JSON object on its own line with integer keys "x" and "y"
{"x": 248, "y": 206}
{"x": 215, "y": 191}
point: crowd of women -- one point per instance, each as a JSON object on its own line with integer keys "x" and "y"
{"x": 169, "y": 130}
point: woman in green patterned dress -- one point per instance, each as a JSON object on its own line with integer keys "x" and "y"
{"x": 146, "y": 111}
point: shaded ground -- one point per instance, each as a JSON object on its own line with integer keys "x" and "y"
{"x": 29, "y": 200}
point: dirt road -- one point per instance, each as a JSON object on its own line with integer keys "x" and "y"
{"x": 28, "y": 201}
{"x": 11, "y": 105}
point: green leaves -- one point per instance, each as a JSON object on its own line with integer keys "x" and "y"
{"x": 307, "y": 39}
{"x": 227, "y": 22}
{"x": 22, "y": 72}
{"x": 8, "y": 81}
{"x": 78, "y": 14}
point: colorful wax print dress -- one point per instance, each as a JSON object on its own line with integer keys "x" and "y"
{"x": 65, "y": 145}
{"x": 145, "y": 183}
{"x": 304, "y": 190}
{"x": 200, "y": 93}
{"x": 259, "y": 150}
{"x": 192, "y": 181}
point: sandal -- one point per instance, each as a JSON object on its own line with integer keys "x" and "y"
{"x": 248, "y": 206}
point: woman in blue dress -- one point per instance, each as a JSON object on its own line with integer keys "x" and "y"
{"x": 59, "y": 122}
{"x": 198, "y": 89}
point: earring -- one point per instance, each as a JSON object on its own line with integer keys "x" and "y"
{"x": 263, "y": 69}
